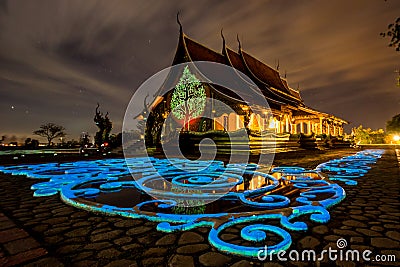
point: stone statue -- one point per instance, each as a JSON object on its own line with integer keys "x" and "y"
{"x": 104, "y": 124}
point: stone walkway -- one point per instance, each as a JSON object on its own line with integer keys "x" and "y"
{"x": 46, "y": 232}
{"x": 17, "y": 246}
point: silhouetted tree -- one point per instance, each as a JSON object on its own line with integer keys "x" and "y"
{"x": 72, "y": 143}
{"x": 108, "y": 128}
{"x": 27, "y": 141}
{"x": 105, "y": 126}
{"x": 84, "y": 139}
{"x": 50, "y": 131}
{"x": 393, "y": 126}
{"x": 31, "y": 143}
{"x": 393, "y": 33}
{"x": 2, "y": 139}
{"x": 34, "y": 143}
{"x": 116, "y": 140}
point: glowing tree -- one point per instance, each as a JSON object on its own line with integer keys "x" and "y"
{"x": 189, "y": 98}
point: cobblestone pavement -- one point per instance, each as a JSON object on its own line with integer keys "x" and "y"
{"x": 46, "y": 232}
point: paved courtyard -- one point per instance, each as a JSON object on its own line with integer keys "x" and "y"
{"x": 43, "y": 231}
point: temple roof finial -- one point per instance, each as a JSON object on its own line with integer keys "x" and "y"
{"x": 223, "y": 40}
{"x": 179, "y": 22}
{"x": 240, "y": 46}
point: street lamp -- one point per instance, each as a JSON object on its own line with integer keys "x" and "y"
{"x": 396, "y": 138}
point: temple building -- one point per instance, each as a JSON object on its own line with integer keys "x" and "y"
{"x": 287, "y": 114}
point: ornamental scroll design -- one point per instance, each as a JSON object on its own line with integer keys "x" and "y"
{"x": 267, "y": 214}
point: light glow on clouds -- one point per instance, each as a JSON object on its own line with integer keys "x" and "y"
{"x": 49, "y": 51}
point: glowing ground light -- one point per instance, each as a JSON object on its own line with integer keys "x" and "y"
{"x": 349, "y": 169}
{"x": 84, "y": 183}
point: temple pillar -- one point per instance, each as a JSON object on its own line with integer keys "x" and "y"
{"x": 212, "y": 117}
{"x": 328, "y": 130}
{"x": 309, "y": 128}
{"x": 265, "y": 121}
{"x": 294, "y": 129}
{"x": 273, "y": 125}
{"x": 260, "y": 126}
{"x": 320, "y": 126}
{"x": 283, "y": 126}
{"x": 287, "y": 125}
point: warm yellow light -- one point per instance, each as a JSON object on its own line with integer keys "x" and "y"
{"x": 156, "y": 102}
{"x": 396, "y": 138}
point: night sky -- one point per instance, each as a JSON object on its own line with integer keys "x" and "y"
{"x": 59, "y": 58}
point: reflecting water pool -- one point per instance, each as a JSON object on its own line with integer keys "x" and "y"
{"x": 186, "y": 194}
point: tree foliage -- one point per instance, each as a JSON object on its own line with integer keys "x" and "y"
{"x": 50, "y": 131}
{"x": 393, "y": 125}
{"x": 368, "y": 136}
{"x": 116, "y": 140}
{"x": 189, "y": 98}
{"x": 3, "y": 138}
{"x": 84, "y": 139}
{"x": 31, "y": 143}
{"x": 393, "y": 33}
{"x": 105, "y": 126}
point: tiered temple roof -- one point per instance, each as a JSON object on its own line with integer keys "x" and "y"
{"x": 274, "y": 88}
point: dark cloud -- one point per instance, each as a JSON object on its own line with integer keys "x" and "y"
{"x": 3, "y": 6}
{"x": 59, "y": 58}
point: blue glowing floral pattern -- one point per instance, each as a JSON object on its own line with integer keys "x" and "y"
{"x": 309, "y": 192}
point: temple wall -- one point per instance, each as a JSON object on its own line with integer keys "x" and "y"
{"x": 282, "y": 124}
{"x": 229, "y": 122}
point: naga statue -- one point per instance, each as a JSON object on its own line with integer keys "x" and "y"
{"x": 105, "y": 126}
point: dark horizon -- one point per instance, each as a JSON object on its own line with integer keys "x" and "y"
{"x": 60, "y": 58}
